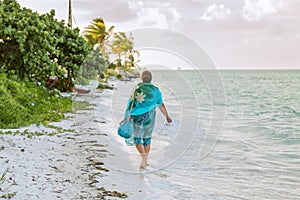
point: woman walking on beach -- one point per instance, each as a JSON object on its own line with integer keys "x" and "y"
{"x": 146, "y": 98}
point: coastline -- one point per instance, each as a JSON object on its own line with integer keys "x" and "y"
{"x": 70, "y": 165}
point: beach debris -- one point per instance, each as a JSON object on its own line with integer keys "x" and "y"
{"x": 98, "y": 121}
{"x": 2, "y": 180}
{"x": 101, "y": 168}
{"x": 2, "y": 177}
{"x": 8, "y": 196}
{"x": 111, "y": 193}
{"x": 82, "y": 91}
{"x": 103, "y": 86}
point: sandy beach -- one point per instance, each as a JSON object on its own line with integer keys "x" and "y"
{"x": 72, "y": 164}
{"x": 86, "y": 159}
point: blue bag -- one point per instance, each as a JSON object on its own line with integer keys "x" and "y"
{"x": 126, "y": 128}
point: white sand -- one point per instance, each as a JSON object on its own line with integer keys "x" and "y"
{"x": 74, "y": 165}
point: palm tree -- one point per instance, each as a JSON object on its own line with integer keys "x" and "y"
{"x": 123, "y": 45}
{"x": 97, "y": 35}
{"x": 131, "y": 62}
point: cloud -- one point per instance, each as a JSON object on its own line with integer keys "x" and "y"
{"x": 254, "y": 10}
{"x": 256, "y": 34}
{"x": 152, "y": 14}
{"x": 215, "y": 11}
{"x": 112, "y": 10}
{"x": 152, "y": 17}
{"x": 244, "y": 33}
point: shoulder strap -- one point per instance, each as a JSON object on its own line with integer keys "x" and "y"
{"x": 132, "y": 100}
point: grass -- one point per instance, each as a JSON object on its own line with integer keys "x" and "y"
{"x": 25, "y": 103}
{"x": 82, "y": 105}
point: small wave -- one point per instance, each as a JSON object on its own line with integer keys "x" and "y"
{"x": 287, "y": 109}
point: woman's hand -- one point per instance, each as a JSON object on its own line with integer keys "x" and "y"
{"x": 165, "y": 113}
{"x": 168, "y": 119}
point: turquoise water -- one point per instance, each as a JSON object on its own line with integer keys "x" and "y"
{"x": 255, "y": 154}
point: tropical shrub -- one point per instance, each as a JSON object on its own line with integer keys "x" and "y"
{"x": 92, "y": 68}
{"x": 35, "y": 47}
{"x": 24, "y": 103}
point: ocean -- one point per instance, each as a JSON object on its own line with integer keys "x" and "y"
{"x": 236, "y": 135}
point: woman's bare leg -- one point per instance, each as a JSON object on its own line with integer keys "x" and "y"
{"x": 141, "y": 150}
{"x": 147, "y": 150}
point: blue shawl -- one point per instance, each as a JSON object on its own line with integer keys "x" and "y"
{"x": 147, "y": 97}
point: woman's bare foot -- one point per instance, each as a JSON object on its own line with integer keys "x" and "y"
{"x": 143, "y": 164}
{"x": 147, "y": 164}
{"x": 146, "y": 158}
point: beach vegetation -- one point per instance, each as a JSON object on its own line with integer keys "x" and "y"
{"x": 25, "y": 103}
{"x": 123, "y": 46}
{"x": 97, "y": 35}
{"x": 40, "y": 57}
{"x": 35, "y": 47}
{"x": 82, "y": 105}
{"x": 107, "y": 44}
{"x": 92, "y": 68}
{"x": 102, "y": 86}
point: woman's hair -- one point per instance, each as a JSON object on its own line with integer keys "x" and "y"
{"x": 146, "y": 77}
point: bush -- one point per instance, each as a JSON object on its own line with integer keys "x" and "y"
{"x": 35, "y": 47}
{"x": 24, "y": 103}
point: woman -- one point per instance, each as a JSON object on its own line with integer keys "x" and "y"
{"x": 146, "y": 98}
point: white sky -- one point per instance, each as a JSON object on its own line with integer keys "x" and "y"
{"x": 244, "y": 34}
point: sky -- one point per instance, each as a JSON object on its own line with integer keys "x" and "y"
{"x": 235, "y": 34}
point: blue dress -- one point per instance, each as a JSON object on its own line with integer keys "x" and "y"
{"x": 147, "y": 98}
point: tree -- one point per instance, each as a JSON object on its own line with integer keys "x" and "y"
{"x": 34, "y": 46}
{"x": 131, "y": 61}
{"x": 96, "y": 34}
{"x": 93, "y": 66}
{"x": 123, "y": 45}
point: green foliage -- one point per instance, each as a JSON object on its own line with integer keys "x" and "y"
{"x": 96, "y": 32}
{"x": 34, "y": 46}
{"x": 122, "y": 45}
{"x": 24, "y": 103}
{"x": 30, "y": 134}
{"x": 102, "y": 86}
{"x": 93, "y": 66}
{"x": 97, "y": 35}
{"x": 81, "y": 105}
